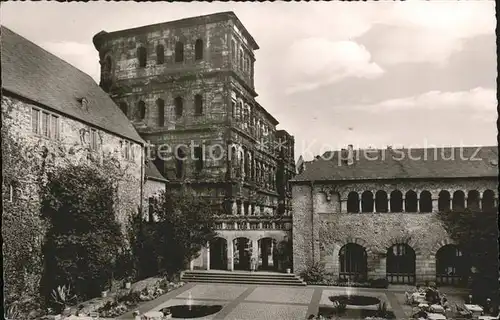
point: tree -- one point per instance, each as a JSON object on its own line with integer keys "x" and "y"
{"x": 84, "y": 238}
{"x": 185, "y": 224}
{"x": 477, "y": 235}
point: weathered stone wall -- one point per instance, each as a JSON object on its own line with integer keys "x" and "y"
{"x": 123, "y": 50}
{"x": 73, "y": 146}
{"x": 319, "y": 236}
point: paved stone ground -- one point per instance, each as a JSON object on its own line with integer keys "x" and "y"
{"x": 251, "y": 302}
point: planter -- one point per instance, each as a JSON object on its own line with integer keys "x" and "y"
{"x": 104, "y": 293}
{"x": 66, "y": 312}
{"x": 288, "y": 270}
{"x": 128, "y": 285}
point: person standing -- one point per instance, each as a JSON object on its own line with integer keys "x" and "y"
{"x": 253, "y": 264}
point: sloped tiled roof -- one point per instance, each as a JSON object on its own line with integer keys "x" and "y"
{"x": 153, "y": 173}
{"x": 379, "y": 164}
{"x": 33, "y": 73}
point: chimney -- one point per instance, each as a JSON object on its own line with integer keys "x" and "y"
{"x": 350, "y": 155}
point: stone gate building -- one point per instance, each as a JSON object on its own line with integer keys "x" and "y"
{"x": 374, "y": 213}
{"x": 188, "y": 88}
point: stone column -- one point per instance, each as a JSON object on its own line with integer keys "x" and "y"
{"x": 343, "y": 205}
{"x": 435, "y": 204}
{"x": 255, "y": 251}
{"x": 230, "y": 257}
{"x": 208, "y": 255}
{"x": 191, "y": 265}
{"x": 418, "y": 204}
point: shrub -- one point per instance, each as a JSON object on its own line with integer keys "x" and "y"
{"x": 84, "y": 238}
{"x": 381, "y": 283}
{"x": 314, "y": 273}
{"x": 185, "y": 224}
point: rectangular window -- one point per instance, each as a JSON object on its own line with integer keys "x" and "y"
{"x": 45, "y": 124}
{"x": 132, "y": 153}
{"x": 54, "y": 127}
{"x": 35, "y": 120}
{"x": 127, "y": 150}
{"x": 93, "y": 139}
{"x": 151, "y": 203}
{"x": 198, "y": 156}
{"x": 11, "y": 193}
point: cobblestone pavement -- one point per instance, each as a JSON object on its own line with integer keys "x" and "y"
{"x": 252, "y": 302}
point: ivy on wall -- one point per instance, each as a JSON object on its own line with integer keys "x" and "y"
{"x": 30, "y": 165}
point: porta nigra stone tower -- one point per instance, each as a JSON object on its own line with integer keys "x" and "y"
{"x": 188, "y": 85}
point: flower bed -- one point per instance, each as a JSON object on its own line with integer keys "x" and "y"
{"x": 124, "y": 300}
{"x": 381, "y": 283}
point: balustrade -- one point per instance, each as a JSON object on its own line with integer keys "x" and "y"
{"x": 254, "y": 223}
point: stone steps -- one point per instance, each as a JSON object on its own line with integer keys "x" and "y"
{"x": 255, "y": 278}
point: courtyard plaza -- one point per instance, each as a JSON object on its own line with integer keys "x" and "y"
{"x": 256, "y": 302}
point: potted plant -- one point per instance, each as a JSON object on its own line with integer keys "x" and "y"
{"x": 63, "y": 297}
{"x": 129, "y": 278}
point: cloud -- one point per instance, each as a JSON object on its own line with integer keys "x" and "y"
{"x": 82, "y": 56}
{"x": 314, "y": 62}
{"x": 481, "y": 102}
{"x": 430, "y": 32}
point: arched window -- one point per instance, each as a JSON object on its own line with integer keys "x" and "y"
{"x": 353, "y": 202}
{"x": 124, "y": 107}
{"x": 381, "y": 201}
{"x": 488, "y": 201}
{"x": 247, "y": 166}
{"x": 233, "y": 49}
{"x": 160, "y": 54}
{"x": 198, "y": 104}
{"x": 400, "y": 266}
{"x": 449, "y": 265}
{"x": 198, "y": 49}
{"x": 367, "y": 201}
{"x": 353, "y": 262}
{"x": 473, "y": 200}
{"x": 444, "y": 201}
{"x": 425, "y": 201}
{"x": 161, "y": 112}
{"x": 458, "y": 202}
{"x": 179, "y": 163}
{"x": 141, "y": 56}
{"x": 179, "y": 51}
{"x": 396, "y": 201}
{"x": 241, "y": 58}
{"x": 411, "y": 201}
{"x": 178, "y": 103}
{"x": 141, "y": 110}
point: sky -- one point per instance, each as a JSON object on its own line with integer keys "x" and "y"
{"x": 370, "y": 74}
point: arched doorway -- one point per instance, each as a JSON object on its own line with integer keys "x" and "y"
{"x": 218, "y": 254}
{"x": 353, "y": 262}
{"x": 267, "y": 258}
{"x": 449, "y": 265}
{"x": 242, "y": 251}
{"x": 400, "y": 266}
{"x": 488, "y": 201}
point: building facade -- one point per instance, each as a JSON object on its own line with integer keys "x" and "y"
{"x": 188, "y": 88}
{"x": 60, "y": 119}
{"x": 369, "y": 214}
